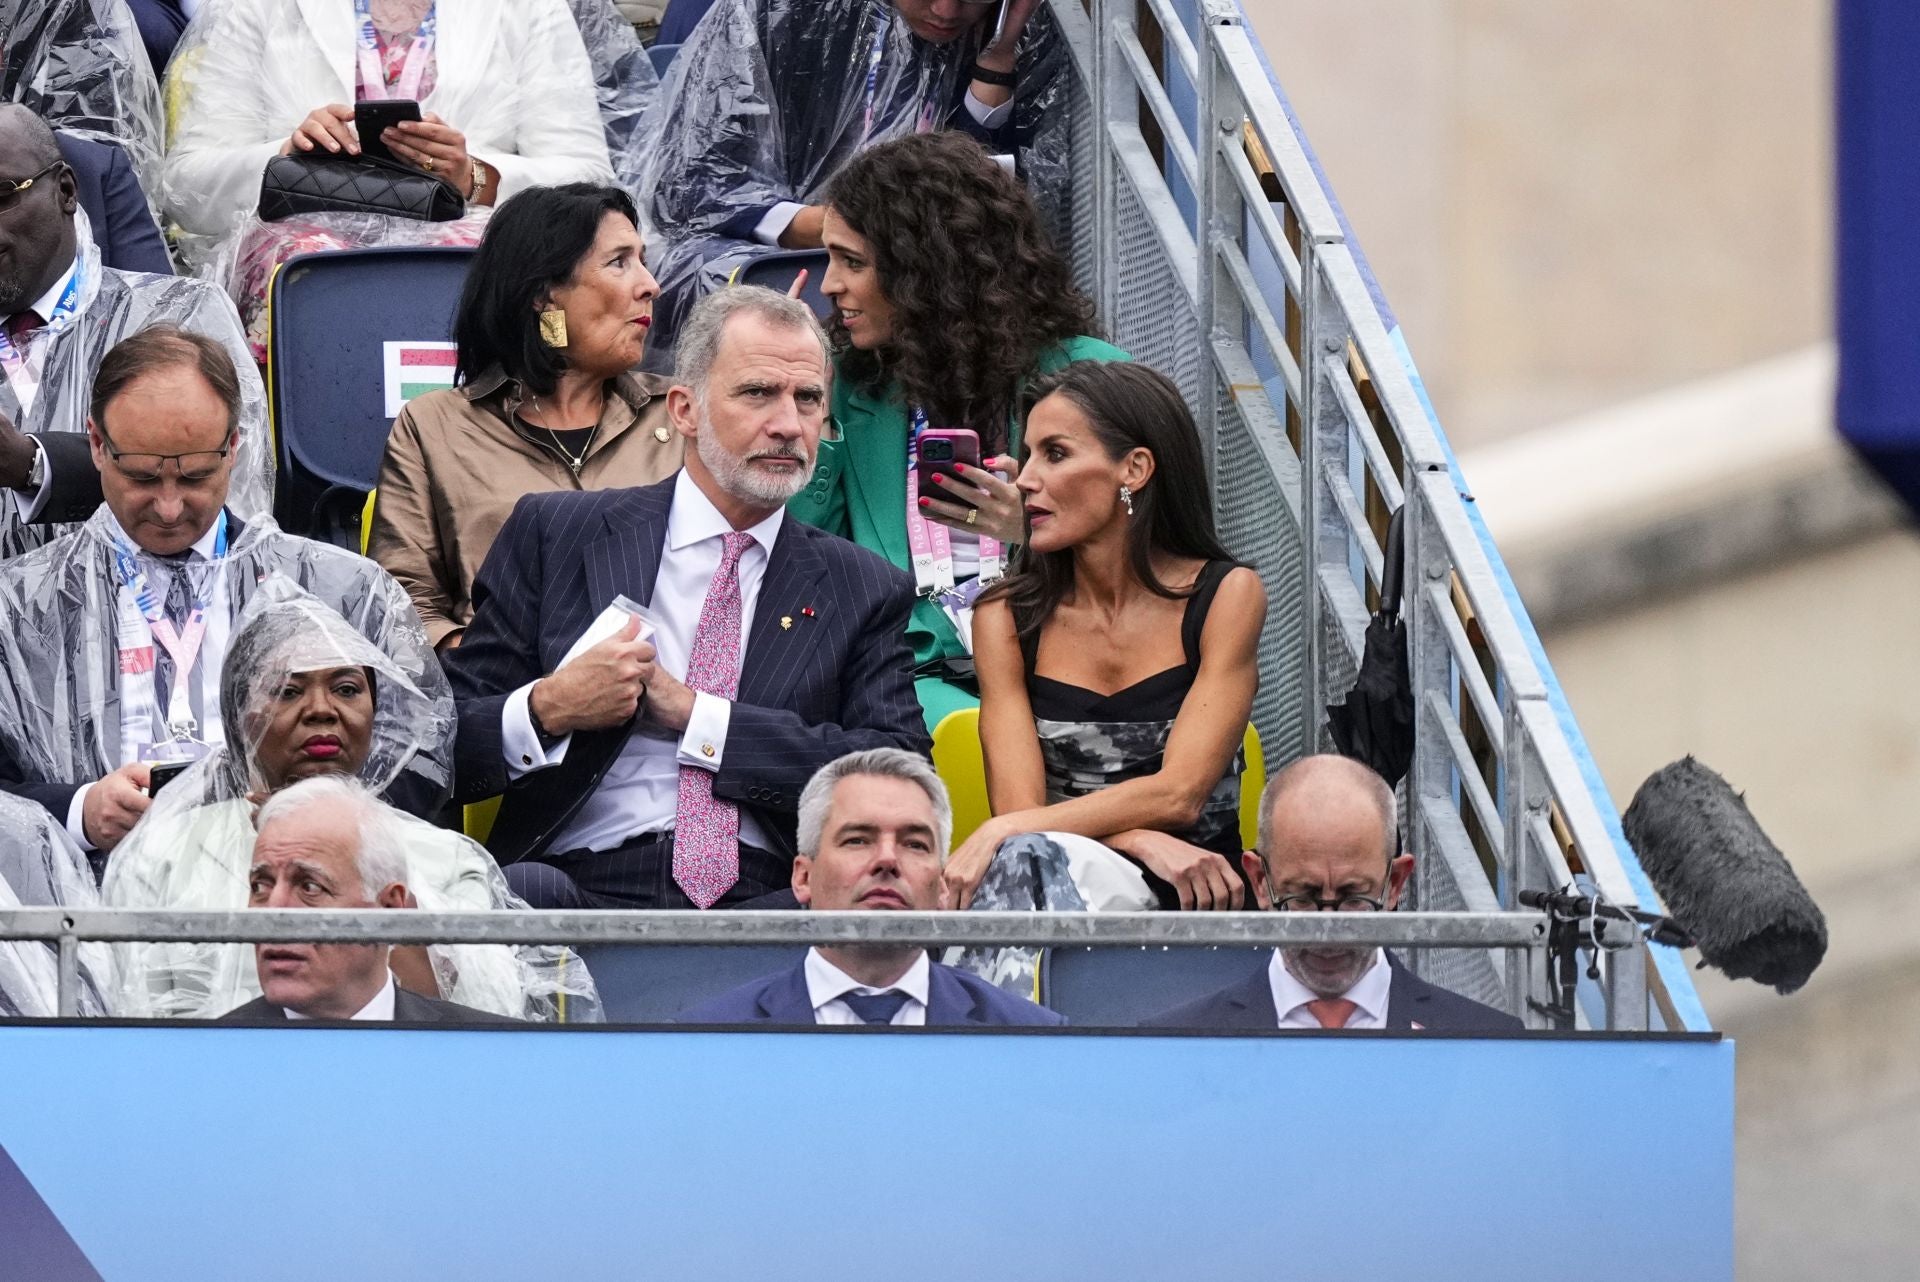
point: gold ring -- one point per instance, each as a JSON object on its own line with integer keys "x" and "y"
{"x": 973, "y": 514}
{"x": 427, "y": 164}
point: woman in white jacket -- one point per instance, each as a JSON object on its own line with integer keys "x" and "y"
{"x": 505, "y": 88}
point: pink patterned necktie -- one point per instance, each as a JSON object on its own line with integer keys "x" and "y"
{"x": 706, "y": 838}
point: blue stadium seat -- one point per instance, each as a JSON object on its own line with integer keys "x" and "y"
{"x": 681, "y": 17}
{"x": 642, "y": 984}
{"x": 662, "y": 56}
{"x": 331, "y": 315}
{"x": 1119, "y": 987}
{"x": 777, "y": 269}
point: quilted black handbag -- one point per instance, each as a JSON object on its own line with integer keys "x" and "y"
{"x": 312, "y": 183}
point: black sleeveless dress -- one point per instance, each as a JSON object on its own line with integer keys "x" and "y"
{"x": 1090, "y": 741}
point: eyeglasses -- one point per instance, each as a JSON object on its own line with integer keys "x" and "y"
{"x": 1343, "y": 902}
{"x": 146, "y": 469}
{"x": 11, "y": 191}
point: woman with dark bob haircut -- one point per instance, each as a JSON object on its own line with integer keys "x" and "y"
{"x": 1117, "y": 664}
{"x": 552, "y": 322}
{"x": 948, "y": 301}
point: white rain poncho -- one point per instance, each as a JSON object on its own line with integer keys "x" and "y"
{"x": 511, "y": 75}
{"x": 51, "y": 394}
{"x": 40, "y": 867}
{"x": 193, "y": 849}
{"x": 624, "y": 79}
{"x": 79, "y": 65}
{"x": 60, "y": 650}
{"x": 769, "y": 99}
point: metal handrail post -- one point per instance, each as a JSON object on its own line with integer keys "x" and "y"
{"x": 67, "y": 984}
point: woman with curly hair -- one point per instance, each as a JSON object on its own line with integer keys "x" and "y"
{"x": 949, "y": 301}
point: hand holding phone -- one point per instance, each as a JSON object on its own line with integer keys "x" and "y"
{"x": 937, "y": 451}
{"x": 374, "y": 117}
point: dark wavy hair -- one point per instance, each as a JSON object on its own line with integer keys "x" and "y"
{"x": 1129, "y": 407}
{"x": 977, "y": 289}
{"x": 533, "y": 243}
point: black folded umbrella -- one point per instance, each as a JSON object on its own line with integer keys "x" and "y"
{"x": 1374, "y": 723}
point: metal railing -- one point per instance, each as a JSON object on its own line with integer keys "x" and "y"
{"x": 1234, "y": 277}
{"x": 67, "y": 929}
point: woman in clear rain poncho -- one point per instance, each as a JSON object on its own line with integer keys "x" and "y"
{"x": 304, "y": 694}
{"x": 40, "y": 867}
{"x": 505, "y": 87}
{"x": 768, "y": 99}
{"x": 79, "y": 65}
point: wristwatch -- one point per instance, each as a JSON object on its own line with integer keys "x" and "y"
{"x": 479, "y": 176}
{"x": 988, "y": 76}
{"x": 37, "y": 470}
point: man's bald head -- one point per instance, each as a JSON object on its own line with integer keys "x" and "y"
{"x": 25, "y": 135}
{"x": 1336, "y": 788}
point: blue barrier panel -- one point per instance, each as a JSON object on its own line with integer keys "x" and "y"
{"x": 199, "y": 1154}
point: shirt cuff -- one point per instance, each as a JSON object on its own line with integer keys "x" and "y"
{"x": 76, "y": 818}
{"x": 704, "y": 743}
{"x": 773, "y": 224}
{"x": 988, "y": 117}
{"x": 30, "y": 504}
{"x": 520, "y": 743}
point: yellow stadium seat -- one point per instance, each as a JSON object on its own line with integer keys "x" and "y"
{"x": 962, "y": 766}
{"x": 366, "y": 522}
{"x": 477, "y": 819}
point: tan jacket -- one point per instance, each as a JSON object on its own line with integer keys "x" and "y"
{"x": 457, "y": 461}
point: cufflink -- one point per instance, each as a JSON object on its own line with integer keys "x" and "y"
{"x": 525, "y": 760}
{"x": 706, "y": 750}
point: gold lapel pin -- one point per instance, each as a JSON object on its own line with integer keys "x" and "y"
{"x": 786, "y": 620}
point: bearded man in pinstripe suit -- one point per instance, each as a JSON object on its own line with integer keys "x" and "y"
{"x": 654, "y": 757}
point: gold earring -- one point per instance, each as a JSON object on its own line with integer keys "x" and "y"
{"x": 553, "y": 327}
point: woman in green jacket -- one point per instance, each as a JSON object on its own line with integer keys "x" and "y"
{"x": 949, "y": 300}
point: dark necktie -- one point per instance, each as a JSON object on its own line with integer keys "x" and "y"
{"x": 178, "y": 606}
{"x": 876, "y": 1008}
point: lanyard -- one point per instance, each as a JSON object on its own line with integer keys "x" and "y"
{"x": 23, "y": 368}
{"x": 182, "y": 644}
{"x": 419, "y": 54}
{"x": 928, "y": 109}
{"x": 930, "y": 542}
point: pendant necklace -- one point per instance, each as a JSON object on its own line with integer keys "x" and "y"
{"x": 572, "y": 462}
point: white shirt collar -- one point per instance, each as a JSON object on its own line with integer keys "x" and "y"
{"x": 694, "y": 519}
{"x": 826, "y": 982}
{"x": 45, "y": 304}
{"x": 380, "y": 1008}
{"x": 1369, "y": 992}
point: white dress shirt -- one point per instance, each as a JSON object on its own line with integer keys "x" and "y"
{"x": 1368, "y": 995}
{"x": 29, "y": 502}
{"x": 773, "y": 225}
{"x": 206, "y": 667}
{"x": 827, "y": 984}
{"x": 641, "y": 790}
{"x": 381, "y": 1007}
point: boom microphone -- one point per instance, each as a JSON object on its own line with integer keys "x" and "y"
{"x": 1723, "y": 879}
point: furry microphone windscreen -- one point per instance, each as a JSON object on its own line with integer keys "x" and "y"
{"x": 1723, "y": 879}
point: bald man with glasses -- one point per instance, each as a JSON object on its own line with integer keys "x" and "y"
{"x": 1329, "y": 842}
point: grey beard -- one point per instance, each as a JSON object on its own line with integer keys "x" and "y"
{"x": 738, "y": 477}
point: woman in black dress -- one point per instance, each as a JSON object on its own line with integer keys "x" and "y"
{"x": 1117, "y": 664}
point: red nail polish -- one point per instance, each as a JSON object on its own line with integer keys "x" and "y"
{"x": 939, "y": 479}
{"x": 925, "y": 502}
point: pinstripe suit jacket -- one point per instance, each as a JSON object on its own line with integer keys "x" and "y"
{"x": 835, "y": 678}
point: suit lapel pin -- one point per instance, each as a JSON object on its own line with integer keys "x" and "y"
{"x": 806, "y": 611}
{"x": 786, "y": 621}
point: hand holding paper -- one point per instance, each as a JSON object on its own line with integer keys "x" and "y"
{"x": 603, "y": 678}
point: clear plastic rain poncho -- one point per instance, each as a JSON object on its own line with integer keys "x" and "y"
{"x": 40, "y": 867}
{"x": 769, "y": 99}
{"x": 62, "y": 718}
{"x": 79, "y": 65}
{"x": 193, "y": 849}
{"x": 513, "y": 76}
{"x": 624, "y": 78}
{"x": 51, "y": 394}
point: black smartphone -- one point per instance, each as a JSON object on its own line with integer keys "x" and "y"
{"x": 372, "y": 118}
{"x": 164, "y": 773}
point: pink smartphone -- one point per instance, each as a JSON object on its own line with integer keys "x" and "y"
{"x": 939, "y": 449}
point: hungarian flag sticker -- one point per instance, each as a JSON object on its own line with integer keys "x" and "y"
{"x": 414, "y": 369}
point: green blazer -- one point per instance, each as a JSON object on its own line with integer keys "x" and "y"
{"x": 859, "y": 486}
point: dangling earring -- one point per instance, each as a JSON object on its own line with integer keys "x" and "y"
{"x": 553, "y": 327}
{"x": 1126, "y": 499}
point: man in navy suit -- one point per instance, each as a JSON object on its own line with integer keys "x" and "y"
{"x": 652, "y": 675}
{"x": 117, "y": 209}
{"x": 874, "y": 830}
{"x": 1329, "y": 840}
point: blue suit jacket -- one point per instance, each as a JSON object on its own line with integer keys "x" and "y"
{"x": 954, "y": 998}
{"x": 1410, "y": 1000}
{"x": 826, "y": 671}
{"x": 109, "y": 191}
